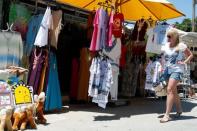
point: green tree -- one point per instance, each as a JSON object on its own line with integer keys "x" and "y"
{"x": 186, "y": 25}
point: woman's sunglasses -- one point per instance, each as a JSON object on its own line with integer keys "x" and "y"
{"x": 169, "y": 37}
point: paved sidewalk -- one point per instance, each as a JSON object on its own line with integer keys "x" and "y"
{"x": 140, "y": 115}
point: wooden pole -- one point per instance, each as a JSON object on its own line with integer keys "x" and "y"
{"x": 193, "y": 15}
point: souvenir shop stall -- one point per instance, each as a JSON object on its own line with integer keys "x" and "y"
{"x": 67, "y": 51}
{"x": 117, "y": 70}
{"x": 31, "y": 56}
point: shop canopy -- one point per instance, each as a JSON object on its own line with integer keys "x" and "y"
{"x": 133, "y": 9}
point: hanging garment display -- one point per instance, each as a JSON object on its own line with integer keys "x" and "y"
{"x": 156, "y": 65}
{"x": 152, "y": 46}
{"x": 33, "y": 27}
{"x": 110, "y": 28}
{"x": 35, "y": 69}
{"x": 72, "y": 37}
{"x": 130, "y": 74}
{"x": 56, "y": 27}
{"x": 114, "y": 54}
{"x": 141, "y": 79}
{"x": 135, "y": 75}
{"x": 19, "y": 16}
{"x": 101, "y": 80}
{"x": 117, "y": 25}
{"x": 83, "y": 75}
{"x": 4, "y": 75}
{"x": 138, "y": 49}
{"x": 123, "y": 56}
{"x": 53, "y": 94}
{"x": 42, "y": 35}
{"x": 44, "y": 73}
{"x": 11, "y": 50}
{"x": 99, "y": 37}
{"x": 157, "y": 37}
{"x": 139, "y": 30}
{"x": 161, "y": 31}
{"x": 149, "y": 76}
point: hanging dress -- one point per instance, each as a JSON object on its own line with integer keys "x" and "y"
{"x": 35, "y": 69}
{"x": 53, "y": 94}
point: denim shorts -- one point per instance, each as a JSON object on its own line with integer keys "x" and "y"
{"x": 174, "y": 75}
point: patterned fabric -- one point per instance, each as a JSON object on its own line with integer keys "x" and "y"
{"x": 161, "y": 31}
{"x": 114, "y": 53}
{"x": 149, "y": 76}
{"x": 152, "y": 46}
{"x": 117, "y": 24}
{"x": 11, "y": 50}
{"x": 100, "y": 81}
{"x": 172, "y": 56}
{"x": 35, "y": 69}
{"x": 130, "y": 74}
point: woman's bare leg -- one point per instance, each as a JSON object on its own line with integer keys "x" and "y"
{"x": 171, "y": 95}
{"x": 177, "y": 102}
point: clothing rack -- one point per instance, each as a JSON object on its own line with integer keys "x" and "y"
{"x": 72, "y": 18}
{"x": 65, "y": 8}
{"x": 100, "y": 53}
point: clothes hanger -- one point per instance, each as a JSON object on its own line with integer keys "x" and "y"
{"x": 9, "y": 28}
{"x": 164, "y": 23}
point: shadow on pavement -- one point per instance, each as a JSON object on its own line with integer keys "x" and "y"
{"x": 137, "y": 106}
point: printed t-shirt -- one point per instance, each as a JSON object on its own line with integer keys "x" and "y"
{"x": 117, "y": 25}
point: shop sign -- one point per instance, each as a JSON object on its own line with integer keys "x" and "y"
{"x": 22, "y": 94}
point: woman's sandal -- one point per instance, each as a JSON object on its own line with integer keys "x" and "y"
{"x": 165, "y": 119}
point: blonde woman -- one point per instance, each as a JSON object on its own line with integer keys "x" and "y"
{"x": 176, "y": 55}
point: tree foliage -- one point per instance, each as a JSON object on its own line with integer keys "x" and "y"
{"x": 186, "y": 25}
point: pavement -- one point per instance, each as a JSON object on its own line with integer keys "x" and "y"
{"x": 141, "y": 114}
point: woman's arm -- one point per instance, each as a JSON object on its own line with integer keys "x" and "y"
{"x": 188, "y": 55}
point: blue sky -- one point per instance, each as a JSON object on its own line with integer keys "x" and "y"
{"x": 185, "y": 6}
